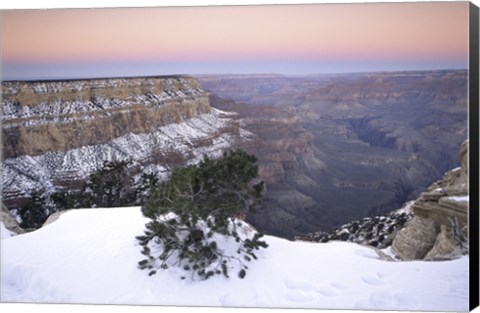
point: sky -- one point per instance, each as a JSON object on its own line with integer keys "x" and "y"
{"x": 284, "y": 39}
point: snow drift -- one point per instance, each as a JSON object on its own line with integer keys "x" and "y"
{"x": 90, "y": 256}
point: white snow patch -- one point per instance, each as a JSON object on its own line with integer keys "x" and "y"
{"x": 460, "y": 198}
{"x": 4, "y": 232}
{"x": 406, "y": 208}
{"x": 90, "y": 256}
{"x": 388, "y": 251}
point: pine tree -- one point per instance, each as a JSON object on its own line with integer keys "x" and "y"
{"x": 112, "y": 185}
{"x": 34, "y": 213}
{"x": 66, "y": 199}
{"x": 195, "y": 206}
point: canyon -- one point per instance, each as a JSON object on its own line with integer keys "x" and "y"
{"x": 370, "y": 142}
{"x": 331, "y": 148}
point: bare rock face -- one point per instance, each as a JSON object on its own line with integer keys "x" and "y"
{"x": 438, "y": 228}
{"x": 416, "y": 240}
{"x": 445, "y": 246}
{"x": 9, "y": 221}
{"x": 56, "y": 133}
{"x": 41, "y": 117}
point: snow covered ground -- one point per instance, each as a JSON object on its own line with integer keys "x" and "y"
{"x": 90, "y": 256}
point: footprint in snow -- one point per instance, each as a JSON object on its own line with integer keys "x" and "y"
{"x": 300, "y": 291}
{"x": 296, "y": 284}
{"x": 385, "y": 300}
{"x": 376, "y": 300}
{"x": 298, "y": 296}
{"x": 374, "y": 280}
{"x": 338, "y": 285}
{"x": 381, "y": 299}
{"x": 406, "y": 301}
{"x": 327, "y": 292}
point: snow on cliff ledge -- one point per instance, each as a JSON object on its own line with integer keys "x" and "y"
{"x": 90, "y": 256}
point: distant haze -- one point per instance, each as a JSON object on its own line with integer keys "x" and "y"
{"x": 286, "y": 39}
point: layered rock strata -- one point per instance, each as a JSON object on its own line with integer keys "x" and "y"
{"x": 438, "y": 229}
{"x": 40, "y": 117}
{"x": 55, "y": 133}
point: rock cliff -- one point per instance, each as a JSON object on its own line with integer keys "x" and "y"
{"x": 40, "y": 117}
{"x": 55, "y": 133}
{"x": 438, "y": 229}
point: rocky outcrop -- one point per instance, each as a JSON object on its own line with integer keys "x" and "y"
{"x": 9, "y": 221}
{"x": 375, "y": 231}
{"x": 438, "y": 229}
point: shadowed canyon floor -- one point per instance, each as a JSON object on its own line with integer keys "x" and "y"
{"x": 364, "y": 143}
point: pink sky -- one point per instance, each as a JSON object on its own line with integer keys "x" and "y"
{"x": 430, "y": 32}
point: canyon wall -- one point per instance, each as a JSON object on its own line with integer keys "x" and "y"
{"x": 40, "y": 117}
{"x": 55, "y": 133}
{"x": 370, "y": 141}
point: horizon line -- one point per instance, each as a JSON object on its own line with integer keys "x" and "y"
{"x": 56, "y": 79}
